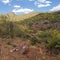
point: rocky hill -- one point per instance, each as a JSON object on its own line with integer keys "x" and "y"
{"x": 32, "y": 36}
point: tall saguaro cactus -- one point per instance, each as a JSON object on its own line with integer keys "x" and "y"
{"x": 11, "y": 32}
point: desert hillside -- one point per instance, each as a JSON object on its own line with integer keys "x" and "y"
{"x": 33, "y": 36}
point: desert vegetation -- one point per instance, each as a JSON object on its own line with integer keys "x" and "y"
{"x": 38, "y": 28}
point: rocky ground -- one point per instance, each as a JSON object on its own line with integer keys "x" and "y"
{"x": 22, "y": 50}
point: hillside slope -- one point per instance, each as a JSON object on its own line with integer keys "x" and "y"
{"x": 26, "y": 16}
{"x": 13, "y": 17}
{"x": 42, "y": 30}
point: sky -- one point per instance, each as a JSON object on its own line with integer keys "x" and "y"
{"x": 27, "y": 6}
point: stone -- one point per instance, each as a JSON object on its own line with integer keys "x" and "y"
{"x": 24, "y": 49}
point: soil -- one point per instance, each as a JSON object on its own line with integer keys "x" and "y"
{"x": 32, "y": 53}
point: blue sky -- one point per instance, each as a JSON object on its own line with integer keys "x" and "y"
{"x": 27, "y": 6}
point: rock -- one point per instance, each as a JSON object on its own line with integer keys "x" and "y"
{"x": 15, "y": 49}
{"x": 24, "y": 49}
{"x": 43, "y": 57}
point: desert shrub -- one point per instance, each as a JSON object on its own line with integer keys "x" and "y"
{"x": 51, "y": 38}
{"x": 42, "y": 35}
{"x": 21, "y": 31}
{"x": 54, "y": 40}
{"x": 38, "y": 37}
{"x": 10, "y": 43}
{"x": 34, "y": 40}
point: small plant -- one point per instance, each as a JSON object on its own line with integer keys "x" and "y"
{"x": 34, "y": 40}
{"x": 12, "y": 44}
{"x": 9, "y": 43}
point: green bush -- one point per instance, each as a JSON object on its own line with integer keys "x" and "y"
{"x": 51, "y": 38}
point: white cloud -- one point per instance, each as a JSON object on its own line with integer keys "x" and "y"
{"x": 22, "y": 10}
{"x": 19, "y": 9}
{"x": 17, "y": 6}
{"x": 43, "y": 1}
{"x": 56, "y": 8}
{"x": 31, "y": 0}
{"x": 42, "y": 5}
{"x": 5, "y": 1}
{"x": 48, "y": 2}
